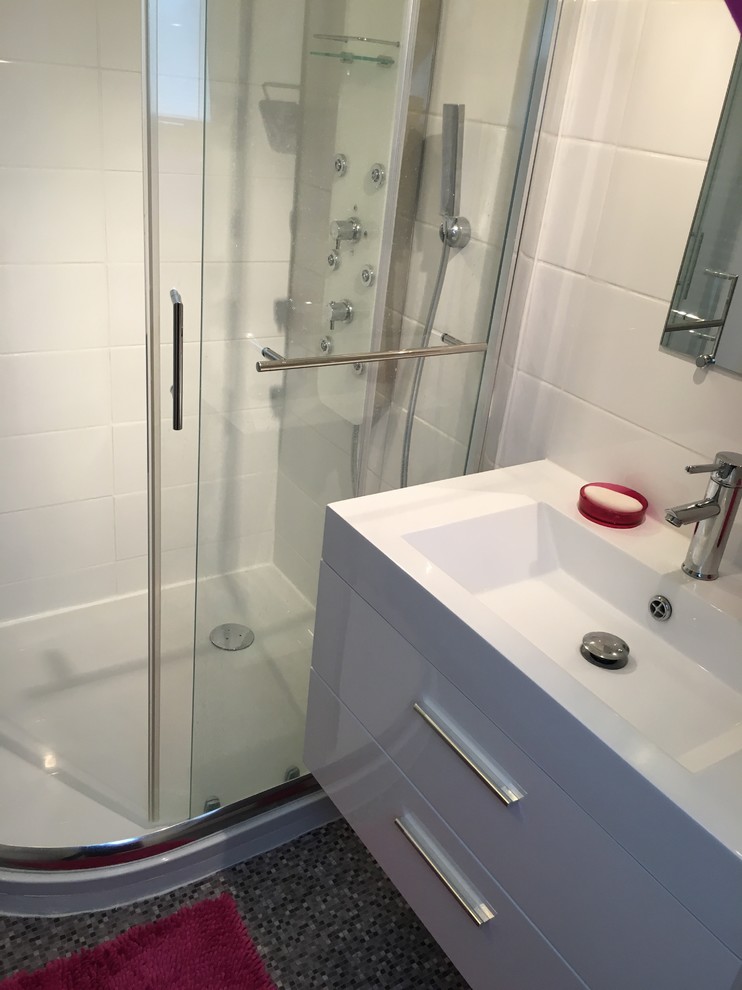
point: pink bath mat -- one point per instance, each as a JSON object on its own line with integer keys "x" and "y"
{"x": 204, "y": 947}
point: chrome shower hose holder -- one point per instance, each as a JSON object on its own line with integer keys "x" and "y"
{"x": 455, "y": 231}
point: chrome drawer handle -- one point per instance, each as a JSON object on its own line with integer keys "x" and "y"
{"x": 468, "y": 897}
{"x": 493, "y": 776}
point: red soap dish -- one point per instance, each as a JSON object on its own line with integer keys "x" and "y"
{"x": 609, "y": 516}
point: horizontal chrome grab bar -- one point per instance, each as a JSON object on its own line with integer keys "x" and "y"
{"x": 468, "y": 897}
{"x": 279, "y": 363}
{"x": 506, "y": 790}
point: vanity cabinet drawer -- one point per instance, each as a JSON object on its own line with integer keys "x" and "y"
{"x": 505, "y": 952}
{"x": 609, "y": 918}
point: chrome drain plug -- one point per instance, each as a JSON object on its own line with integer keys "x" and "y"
{"x": 605, "y": 650}
{"x": 231, "y": 636}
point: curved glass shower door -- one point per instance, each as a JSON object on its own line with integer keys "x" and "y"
{"x": 306, "y": 110}
{"x": 73, "y": 516}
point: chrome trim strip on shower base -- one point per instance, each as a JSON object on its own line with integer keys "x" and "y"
{"x": 162, "y": 840}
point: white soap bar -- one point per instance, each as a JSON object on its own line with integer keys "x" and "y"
{"x": 608, "y": 499}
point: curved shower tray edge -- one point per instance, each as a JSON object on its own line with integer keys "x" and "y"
{"x": 50, "y": 882}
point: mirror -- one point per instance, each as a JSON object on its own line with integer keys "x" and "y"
{"x": 705, "y": 317}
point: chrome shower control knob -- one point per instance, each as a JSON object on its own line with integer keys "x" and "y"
{"x": 378, "y": 175}
{"x": 333, "y": 260}
{"x": 340, "y": 312}
{"x": 368, "y": 276}
{"x": 345, "y": 230}
{"x": 340, "y": 165}
{"x": 325, "y": 345}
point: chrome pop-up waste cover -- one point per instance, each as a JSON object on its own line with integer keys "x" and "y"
{"x": 605, "y": 650}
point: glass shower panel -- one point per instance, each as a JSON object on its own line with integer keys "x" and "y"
{"x": 73, "y": 528}
{"x": 303, "y": 105}
{"x": 177, "y": 162}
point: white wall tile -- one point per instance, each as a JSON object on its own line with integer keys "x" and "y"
{"x": 574, "y": 204}
{"x": 180, "y": 217}
{"x": 179, "y": 456}
{"x": 128, "y": 385}
{"x": 119, "y": 25}
{"x": 234, "y": 554}
{"x": 178, "y": 567}
{"x": 50, "y": 116}
{"x": 126, "y": 303}
{"x": 663, "y": 112}
{"x": 245, "y": 506}
{"x": 553, "y": 322}
{"x": 67, "y": 205}
{"x": 53, "y": 307}
{"x": 229, "y": 380}
{"x": 477, "y": 63}
{"x": 235, "y": 443}
{"x": 647, "y": 213}
{"x": 49, "y": 468}
{"x": 121, "y": 118}
{"x": 181, "y": 144}
{"x": 244, "y": 298}
{"x": 48, "y": 31}
{"x": 449, "y": 387}
{"x": 26, "y": 598}
{"x": 601, "y": 72}
{"x": 301, "y": 520}
{"x": 63, "y": 390}
{"x": 593, "y": 390}
{"x": 547, "y": 422}
{"x": 322, "y": 470}
{"x": 59, "y": 539}
{"x": 255, "y": 228}
{"x": 178, "y": 521}
{"x": 124, "y": 205}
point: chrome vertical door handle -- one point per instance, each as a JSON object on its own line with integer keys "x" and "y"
{"x": 177, "y": 388}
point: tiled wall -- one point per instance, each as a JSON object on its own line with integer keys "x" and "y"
{"x": 635, "y": 97}
{"x": 254, "y": 53}
{"x": 484, "y": 59}
{"x": 318, "y": 435}
{"x": 71, "y": 388}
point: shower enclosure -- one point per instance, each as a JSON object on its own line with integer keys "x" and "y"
{"x": 188, "y": 188}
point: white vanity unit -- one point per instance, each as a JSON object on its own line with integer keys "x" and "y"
{"x": 553, "y": 824}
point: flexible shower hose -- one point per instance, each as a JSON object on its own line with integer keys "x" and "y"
{"x": 418, "y": 373}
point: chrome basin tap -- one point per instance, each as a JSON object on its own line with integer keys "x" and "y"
{"x": 713, "y": 514}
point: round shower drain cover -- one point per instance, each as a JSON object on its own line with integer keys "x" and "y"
{"x": 231, "y": 636}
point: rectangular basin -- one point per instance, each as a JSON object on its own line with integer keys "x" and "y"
{"x": 553, "y": 580}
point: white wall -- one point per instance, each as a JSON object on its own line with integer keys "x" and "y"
{"x": 72, "y": 515}
{"x": 485, "y": 59}
{"x": 254, "y": 70}
{"x": 617, "y": 177}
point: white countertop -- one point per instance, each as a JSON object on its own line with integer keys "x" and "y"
{"x": 711, "y": 796}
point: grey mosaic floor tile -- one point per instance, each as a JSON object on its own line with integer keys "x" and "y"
{"x": 320, "y": 911}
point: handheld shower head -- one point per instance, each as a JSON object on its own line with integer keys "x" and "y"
{"x": 452, "y": 152}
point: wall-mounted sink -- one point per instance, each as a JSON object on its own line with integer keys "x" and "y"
{"x": 552, "y": 579}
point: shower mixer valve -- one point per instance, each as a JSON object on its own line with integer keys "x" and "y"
{"x": 340, "y": 312}
{"x": 345, "y": 230}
